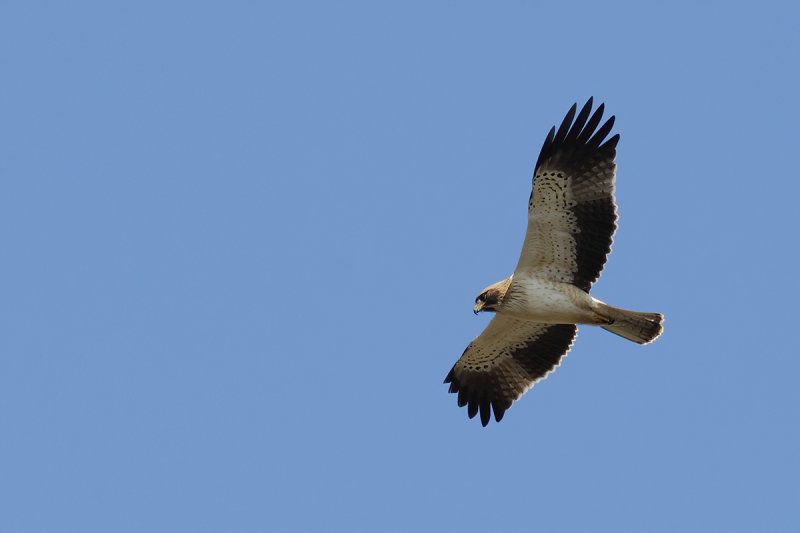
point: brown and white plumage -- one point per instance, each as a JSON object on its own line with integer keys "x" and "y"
{"x": 571, "y": 221}
{"x": 571, "y": 211}
{"x": 505, "y": 361}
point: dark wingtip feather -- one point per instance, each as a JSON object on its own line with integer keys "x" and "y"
{"x": 564, "y": 128}
{"x": 598, "y": 137}
{"x": 462, "y": 398}
{"x": 499, "y": 407}
{"x": 581, "y": 136}
{"x": 486, "y": 413}
{"x": 611, "y": 143}
{"x": 472, "y": 408}
{"x": 577, "y": 127}
{"x": 545, "y": 151}
{"x": 549, "y": 139}
{"x": 592, "y": 124}
{"x": 449, "y": 377}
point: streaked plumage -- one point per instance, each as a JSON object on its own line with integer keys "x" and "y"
{"x": 571, "y": 222}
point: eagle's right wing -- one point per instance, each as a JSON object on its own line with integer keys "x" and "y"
{"x": 505, "y": 361}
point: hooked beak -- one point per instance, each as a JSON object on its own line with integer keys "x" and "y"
{"x": 478, "y": 307}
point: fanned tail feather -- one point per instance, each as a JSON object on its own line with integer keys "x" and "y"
{"x": 638, "y": 327}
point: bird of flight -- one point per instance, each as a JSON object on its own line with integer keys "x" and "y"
{"x": 571, "y": 220}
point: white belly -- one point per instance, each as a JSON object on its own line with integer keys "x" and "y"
{"x": 550, "y": 302}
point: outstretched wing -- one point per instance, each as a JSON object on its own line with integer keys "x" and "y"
{"x": 505, "y": 361}
{"x": 571, "y": 212}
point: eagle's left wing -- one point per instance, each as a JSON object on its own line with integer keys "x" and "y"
{"x": 505, "y": 361}
{"x": 571, "y": 212}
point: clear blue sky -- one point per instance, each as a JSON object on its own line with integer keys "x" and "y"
{"x": 241, "y": 242}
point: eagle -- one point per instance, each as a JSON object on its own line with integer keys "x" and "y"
{"x": 571, "y": 221}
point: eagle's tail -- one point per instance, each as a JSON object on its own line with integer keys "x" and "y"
{"x": 633, "y": 325}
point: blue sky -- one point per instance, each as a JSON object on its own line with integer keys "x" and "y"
{"x": 241, "y": 242}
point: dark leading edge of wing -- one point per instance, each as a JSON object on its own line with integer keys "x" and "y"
{"x": 578, "y": 149}
{"x": 495, "y": 387}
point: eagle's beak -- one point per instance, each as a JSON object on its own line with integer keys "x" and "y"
{"x": 478, "y": 307}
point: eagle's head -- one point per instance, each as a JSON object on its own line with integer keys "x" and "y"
{"x": 491, "y": 298}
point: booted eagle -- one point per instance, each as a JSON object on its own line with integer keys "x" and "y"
{"x": 571, "y": 220}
